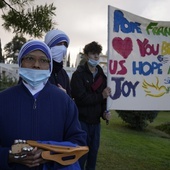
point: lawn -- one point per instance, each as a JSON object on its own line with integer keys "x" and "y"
{"x": 122, "y": 148}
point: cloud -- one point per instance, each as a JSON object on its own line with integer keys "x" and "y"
{"x": 157, "y": 10}
{"x": 87, "y": 20}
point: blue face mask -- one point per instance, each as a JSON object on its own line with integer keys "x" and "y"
{"x": 93, "y": 63}
{"x": 34, "y": 77}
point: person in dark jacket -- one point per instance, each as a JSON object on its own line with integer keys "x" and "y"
{"x": 89, "y": 91}
{"x": 36, "y": 110}
{"x": 58, "y": 42}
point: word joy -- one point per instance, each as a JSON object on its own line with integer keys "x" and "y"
{"x": 124, "y": 88}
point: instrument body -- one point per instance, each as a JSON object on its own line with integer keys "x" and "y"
{"x": 64, "y": 155}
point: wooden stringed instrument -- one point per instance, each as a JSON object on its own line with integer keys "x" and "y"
{"x": 64, "y": 155}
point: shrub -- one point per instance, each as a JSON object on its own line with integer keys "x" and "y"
{"x": 6, "y": 82}
{"x": 137, "y": 119}
{"x": 165, "y": 127}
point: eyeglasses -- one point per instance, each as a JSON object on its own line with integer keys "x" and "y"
{"x": 30, "y": 59}
{"x": 63, "y": 43}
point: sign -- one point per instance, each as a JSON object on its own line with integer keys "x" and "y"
{"x": 138, "y": 62}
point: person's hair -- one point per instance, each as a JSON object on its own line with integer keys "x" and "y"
{"x": 92, "y": 47}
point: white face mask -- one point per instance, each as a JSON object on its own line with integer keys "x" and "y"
{"x": 34, "y": 77}
{"x": 93, "y": 63}
{"x": 58, "y": 53}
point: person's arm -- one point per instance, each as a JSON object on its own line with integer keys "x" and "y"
{"x": 73, "y": 131}
{"x": 81, "y": 94}
{"x": 60, "y": 87}
{"x": 4, "y": 156}
{"x": 68, "y": 88}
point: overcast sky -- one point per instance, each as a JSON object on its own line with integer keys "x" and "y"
{"x": 86, "y": 20}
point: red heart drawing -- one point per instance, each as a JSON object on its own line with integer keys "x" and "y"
{"x": 123, "y": 47}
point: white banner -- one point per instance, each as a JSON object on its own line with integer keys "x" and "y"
{"x": 138, "y": 62}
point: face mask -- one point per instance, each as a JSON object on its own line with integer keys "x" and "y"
{"x": 58, "y": 53}
{"x": 93, "y": 63}
{"x": 34, "y": 77}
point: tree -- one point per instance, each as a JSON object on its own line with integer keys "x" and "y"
{"x": 1, "y": 56}
{"x": 6, "y": 82}
{"x": 83, "y": 60}
{"x": 68, "y": 60}
{"x": 12, "y": 48}
{"x": 17, "y": 16}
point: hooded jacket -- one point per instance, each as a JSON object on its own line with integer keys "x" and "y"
{"x": 90, "y": 101}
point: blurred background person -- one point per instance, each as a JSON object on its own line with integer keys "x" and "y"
{"x": 58, "y": 42}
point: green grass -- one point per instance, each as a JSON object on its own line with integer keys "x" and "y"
{"x": 122, "y": 148}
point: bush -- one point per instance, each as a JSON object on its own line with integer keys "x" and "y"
{"x": 6, "y": 82}
{"x": 137, "y": 119}
{"x": 164, "y": 127}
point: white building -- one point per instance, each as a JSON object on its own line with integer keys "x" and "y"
{"x": 11, "y": 70}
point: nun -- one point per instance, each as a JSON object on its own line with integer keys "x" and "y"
{"x": 36, "y": 110}
{"x": 58, "y": 43}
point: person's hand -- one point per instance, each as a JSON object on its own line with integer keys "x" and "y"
{"x": 107, "y": 115}
{"x": 32, "y": 159}
{"x": 60, "y": 87}
{"x": 106, "y": 92}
